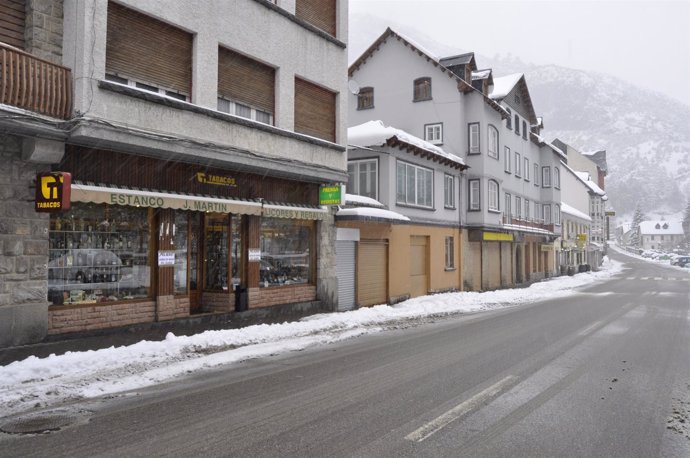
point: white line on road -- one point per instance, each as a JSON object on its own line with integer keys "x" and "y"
{"x": 589, "y": 329}
{"x": 458, "y": 411}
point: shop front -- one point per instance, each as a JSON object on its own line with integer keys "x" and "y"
{"x": 146, "y": 241}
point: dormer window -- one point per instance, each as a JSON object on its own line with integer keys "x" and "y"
{"x": 422, "y": 89}
{"x": 665, "y": 225}
{"x": 658, "y": 226}
{"x": 365, "y": 98}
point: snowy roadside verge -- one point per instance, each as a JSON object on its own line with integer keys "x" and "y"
{"x": 664, "y": 263}
{"x": 39, "y": 383}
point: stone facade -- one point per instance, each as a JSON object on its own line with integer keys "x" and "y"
{"x": 44, "y": 29}
{"x": 92, "y": 318}
{"x": 24, "y": 249}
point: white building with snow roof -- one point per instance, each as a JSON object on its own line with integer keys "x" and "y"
{"x": 661, "y": 235}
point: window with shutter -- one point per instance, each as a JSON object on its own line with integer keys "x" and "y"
{"x": 147, "y": 50}
{"x": 12, "y": 20}
{"x": 247, "y": 84}
{"x": 473, "y": 138}
{"x": 365, "y": 98}
{"x": 319, "y": 13}
{"x": 314, "y": 110}
{"x": 421, "y": 89}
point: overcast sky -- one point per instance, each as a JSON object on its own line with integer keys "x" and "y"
{"x": 646, "y": 42}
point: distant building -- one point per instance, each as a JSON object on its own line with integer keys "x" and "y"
{"x": 661, "y": 235}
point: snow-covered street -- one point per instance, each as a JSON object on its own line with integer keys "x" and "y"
{"x": 39, "y": 383}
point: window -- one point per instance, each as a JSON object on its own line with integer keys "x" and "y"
{"x": 363, "y": 178}
{"x": 493, "y": 195}
{"x": 314, "y": 110}
{"x": 527, "y": 212}
{"x": 415, "y": 185}
{"x": 286, "y": 252}
{"x": 508, "y": 204}
{"x": 518, "y": 207}
{"x": 507, "y": 159}
{"x": 365, "y": 98}
{"x": 450, "y": 253}
{"x": 493, "y": 142}
{"x": 518, "y": 173}
{"x": 319, "y": 13}
{"x": 537, "y": 212}
{"x": 449, "y": 191}
{"x": 422, "y": 89}
{"x": 474, "y": 195}
{"x": 536, "y": 174}
{"x": 557, "y": 215}
{"x": 546, "y": 177}
{"x": 524, "y": 129}
{"x": 433, "y": 133}
{"x": 517, "y": 125}
{"x": 100, "y": 253}
{"x": 162, "y": 60}
{"x": 246, "y": 87}
{"x": 547, "y": 213}
{"x": 473, "y": 137}
{"x": 526, "y": 169}
{"x": 556, "y": 178}
{"x": 509, "y": 119}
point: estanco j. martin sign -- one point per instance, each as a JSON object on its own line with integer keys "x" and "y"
{"x": 53, "y": 192}
{"x": 114, "y": 196}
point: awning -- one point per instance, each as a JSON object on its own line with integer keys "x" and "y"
{"x": 274, "y": 210}
{"x": 99, "y": 194}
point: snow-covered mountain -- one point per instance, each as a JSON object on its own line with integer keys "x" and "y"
{"x": 646, "y": 134}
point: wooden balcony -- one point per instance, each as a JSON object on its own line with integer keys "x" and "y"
{"x": 34, "y": 84}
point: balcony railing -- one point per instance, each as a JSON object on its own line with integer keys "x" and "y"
{"x": 34, "y": 84}
{"x": 526, "y": 222}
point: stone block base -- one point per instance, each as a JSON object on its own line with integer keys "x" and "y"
{"x": 23, "y": 324}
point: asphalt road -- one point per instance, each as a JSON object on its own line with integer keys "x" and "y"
{"x": 602, "y": 373}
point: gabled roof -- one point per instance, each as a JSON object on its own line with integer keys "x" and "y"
{"x": 505, "y": 84}
{"x": 460, "y": 59}
{"x": 375, "y": 133}
{"x": 463, "y": 85}
{"x": 661, "y": 227}
{"x": 541, "y": 141}
{"x": 485, "y": 74}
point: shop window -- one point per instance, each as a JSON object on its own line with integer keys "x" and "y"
{"x": 216, "y": 252}
{"x": 286, "y": 252}
{"x": 180, "y": 234}
{"x": 99, "y": 253}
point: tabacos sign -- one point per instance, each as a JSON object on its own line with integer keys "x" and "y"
{"x": 53, "y": 192}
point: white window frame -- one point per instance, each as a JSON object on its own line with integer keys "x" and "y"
{"x": 450, "y": 252}
{"x": 416, "y": 173}
{"x": 507, "y": 206}
{"x": 156, "y": 89}
{"x": 538, "y": 215}
{"x": 231, "y": 107}
{"x": 433, "y": 133}
{"x": 354, "y": 187}
{"x": 527, "y": 212}
{"x": 546, "y": 176}
{"x": 536, "y": 174}
{"x": 493, "y": 193}
{"x": 518, "y": 164}
{"x": 492, "y": 146}
{"x": 526, "y": 168}
{"x": 546, "y": 209}
{"x": 518, "y": 207}
{"x": 557, "y": 215}
{"x": 474, "y": 195}
{"x": 448, "y": 191}
{"x": 473, "y": 138}
{"x": 556, "y": 178}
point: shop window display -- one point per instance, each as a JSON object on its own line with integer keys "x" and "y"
{"x": 286, "y": 257}
{"x": 99, "y": 253}
{"x": 180, "y": 238}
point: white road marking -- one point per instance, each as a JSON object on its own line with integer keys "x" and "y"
{"x": 658, "y": 278}
{"x": 458, "y": 411}
{"x": 631, "y": 278}
{"x": 588, "y": 330}
{"x": 644, "y": 278}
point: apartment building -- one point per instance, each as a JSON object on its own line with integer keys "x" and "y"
{"x": 196, "y": 139}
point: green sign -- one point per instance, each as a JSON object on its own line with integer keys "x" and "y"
{"x": 610, "y": 213}
{"x": 332, "y": 195}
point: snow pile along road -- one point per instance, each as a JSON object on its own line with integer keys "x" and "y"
{"x": 37, "y": 383}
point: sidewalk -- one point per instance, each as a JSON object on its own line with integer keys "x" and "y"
{"x": 117, "y": 337}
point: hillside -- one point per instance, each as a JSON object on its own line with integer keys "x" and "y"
{"x": 646, "y": 134}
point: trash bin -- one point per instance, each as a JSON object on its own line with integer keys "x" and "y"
{"x": 571, "y": 270}
{"x": 241, "y": 299}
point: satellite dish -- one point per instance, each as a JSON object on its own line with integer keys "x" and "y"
{"x": 353, "y": 86}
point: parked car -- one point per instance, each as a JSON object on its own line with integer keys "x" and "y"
{"x": 682, "y": 261}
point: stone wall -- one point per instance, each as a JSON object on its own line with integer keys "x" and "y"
{"x": 100, "y": 316}
{"x": 44, "y": 29}
{"x": 23, "y": 250}
{"x": 266, "y": 297}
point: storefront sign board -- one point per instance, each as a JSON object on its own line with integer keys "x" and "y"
{"x": 332, "y": 195}
{"x": 53, "y": 192}
{"x": 497, "y": 237}
{"x": 254, "y": 254}
{"x": 166, "y": 258}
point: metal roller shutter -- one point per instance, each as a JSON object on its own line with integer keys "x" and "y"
{"x": 345, "y": 271}
{"x": 245, "y": 80}
{"x": 372, "y": 272}
{"x": 314, "y": 110}
{"x": 142, "y": 48}
{"x": 12, "y": 20}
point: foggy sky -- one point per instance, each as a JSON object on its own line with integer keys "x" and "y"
{"x": 645, "y": 42}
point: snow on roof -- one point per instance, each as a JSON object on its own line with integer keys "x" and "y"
{"x": 375, "y": 133}
{"x": 362, "y": 201}
{"x": 460, "y": 59}
{"x": 565, "y": 208}
{"x": 504, "y": 84}
{"x": 556, "y": 149}
{"x": 661, "y": 227}
{"x": 587, "y": 179}
{"x": 481, "y": 74}
{"x": 418, "y": 46}
{"x": 372, "y": 213}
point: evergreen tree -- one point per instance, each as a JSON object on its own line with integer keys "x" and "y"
{"x": 638, "y": 217}
{"x": 686, "y": 225}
